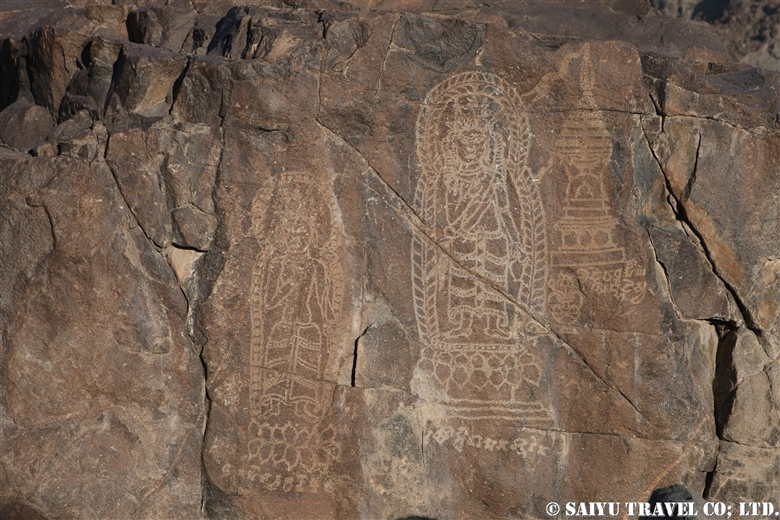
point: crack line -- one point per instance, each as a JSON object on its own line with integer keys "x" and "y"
{"x": 418, "y": 225}
{"x": 680, "y": 213}
{"x": 387, "y": 53}
{"x": 666, "y": 274}
{"x": 124, "y": 198}
{"x": 686, "y": 193}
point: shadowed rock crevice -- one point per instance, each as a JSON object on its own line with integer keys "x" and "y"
{"x": 179, "y": 81}
{"x": 118, "y": 67}
{"x": 218, "y": 505}
{"x": 746, "y": 355}
{"x": 678, "y": 207}
{"x": 355, "y": 359}
{"x": 725, "y": 382}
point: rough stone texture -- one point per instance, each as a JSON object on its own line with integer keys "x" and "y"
{"x": 748, "y": 28}
{"x": 24, "y": 125}
{"x": 342, "y": 261}
{"x": 101, "y": 405}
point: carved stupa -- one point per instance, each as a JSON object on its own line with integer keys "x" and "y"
{"x": 585, "y": 149}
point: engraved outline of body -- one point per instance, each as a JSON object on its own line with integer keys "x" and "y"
{"x": 528, "y": 249}
{"x": 461, "y": 104}
{"x": 297, "y": 279}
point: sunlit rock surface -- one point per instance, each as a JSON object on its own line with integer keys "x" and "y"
{"x": 363, "y": 260}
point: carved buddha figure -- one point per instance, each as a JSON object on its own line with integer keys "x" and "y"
{"x": 475, "y": 228}
{"x": 482, "y": 260}
{"x": 295, "y": 297}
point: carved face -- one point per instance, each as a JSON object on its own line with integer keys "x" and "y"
{"x": 294, "y": 228}
{"x": 473, "y": 146}
{"x": 470, "y": 144}
{"x": 297, "y": 235}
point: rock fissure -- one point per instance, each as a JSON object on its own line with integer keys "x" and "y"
{"x": 387, "y": 54}
{"x": 418, "y": 225}
{"x": 595, "y": 110}
{"x": 708, "y": 480}
{"x": 665, "y": 271}
{"x": 209, "y": 270}
{"x": 204, "y": 481}
{"x": 179, "y": 81}
{"x": 680, "y": 213}
{"x": 355, "y": 355}
{"x": 127, "y": 204}
{"x": 757, "y": 130}
{"x": 118, "y": 66}
{"x": 724, "y": 383}
{"x": 686, "y": 193}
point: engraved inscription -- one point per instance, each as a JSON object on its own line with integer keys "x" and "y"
{"x": 587, "y": 229}
{"x": 295, "y": 300}
{"x": 525, "y": 444}
{"x": 484, "y": 258}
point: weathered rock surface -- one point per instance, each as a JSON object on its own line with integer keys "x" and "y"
{"x": 341, "y": 261}
{"x": 749, "y": 29}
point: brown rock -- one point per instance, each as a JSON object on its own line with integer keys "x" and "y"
{"x": 51, "y": 64}
{"x": 748, "y": 29}
{"x": 198, "y": 39}
{"x": 79, "y": 137}
{"x": 100, "y": 378}
{"x": 340, "y": 262}
{"x": 702, "y": 157}
{"x": 696, "y": 291}
{"x": 169, "y": 193}
{"x": 145, "y": 79}
{"x": 24, "y": 125}
{"x": 723, "y": 151}
{"x": 745, "y": 471}
{"x": 161, "y": 26}
{"x": 90, "y": 86}
{"x": 54, "y": 47}
{"x": 484, "y": 334}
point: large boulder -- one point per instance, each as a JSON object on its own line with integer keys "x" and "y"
{"x": 371, "y": 261}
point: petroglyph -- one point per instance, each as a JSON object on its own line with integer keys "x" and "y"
{"x": 476, "y": 195}
{"x": 587, "y": 230}
{"x": 297, "y": 288}
{"x": 527, "y": 443}
{"x": 626, "y": 283}
{"x": 565, "y": 298}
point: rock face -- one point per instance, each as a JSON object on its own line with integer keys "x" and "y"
{"x": 749, "y": 29}
{"x": 345, "y": 262}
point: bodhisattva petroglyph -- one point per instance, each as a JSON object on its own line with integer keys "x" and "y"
{"x": 476, "y": 195}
